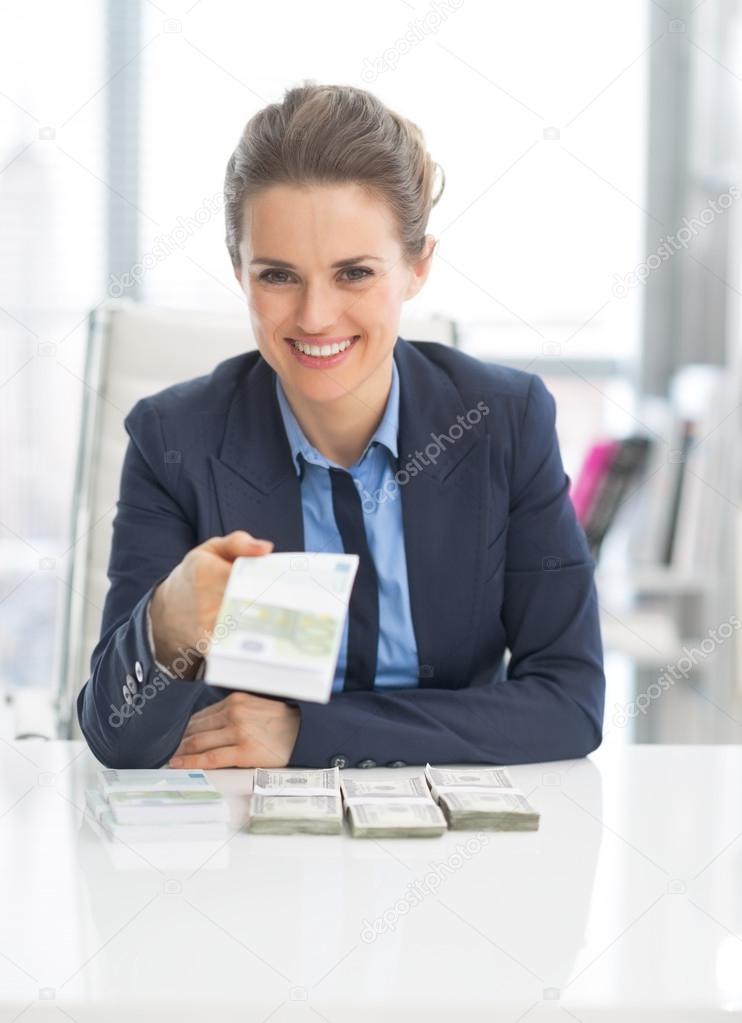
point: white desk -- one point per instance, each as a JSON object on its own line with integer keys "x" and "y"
{"x": 625, "y": 905}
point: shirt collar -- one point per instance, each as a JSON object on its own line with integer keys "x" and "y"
{"x": 385, "y": 433}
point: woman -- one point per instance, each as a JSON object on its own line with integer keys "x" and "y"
{"x": 441, "y": 472}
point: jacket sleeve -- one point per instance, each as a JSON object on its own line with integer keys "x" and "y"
{"x": 549, "y": 704}
{"x": 151, "y": 535}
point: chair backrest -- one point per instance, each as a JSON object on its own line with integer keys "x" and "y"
{"x": 135, "y": 350}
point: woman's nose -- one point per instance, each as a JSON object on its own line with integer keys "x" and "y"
{"x": 318, "y": 309}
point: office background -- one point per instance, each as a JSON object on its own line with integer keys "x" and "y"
{"x": 576, "y": 140}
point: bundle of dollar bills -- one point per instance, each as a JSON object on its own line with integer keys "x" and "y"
{"x": 292, "y": 800}
{"x": 392, "y": 808}
{"x": 481, "y": 798}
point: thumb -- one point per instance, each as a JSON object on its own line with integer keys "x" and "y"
{"x": 237, "y": 544}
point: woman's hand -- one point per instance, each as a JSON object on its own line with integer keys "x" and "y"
{"x": 185, "y": 605}
{"x": 242, "y": 730}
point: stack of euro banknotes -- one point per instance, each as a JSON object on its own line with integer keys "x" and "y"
{"x": 424, "y": 804}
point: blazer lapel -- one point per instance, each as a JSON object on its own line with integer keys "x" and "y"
{"x": 256, "y": 484}
{"x": 444, "y": 506}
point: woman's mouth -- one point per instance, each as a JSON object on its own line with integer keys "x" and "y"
{"x": 326, "y": 352}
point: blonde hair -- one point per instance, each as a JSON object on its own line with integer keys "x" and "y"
{"x": 334, "y": 134}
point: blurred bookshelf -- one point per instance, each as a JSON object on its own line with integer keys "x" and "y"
{"x": 660, "y": 507}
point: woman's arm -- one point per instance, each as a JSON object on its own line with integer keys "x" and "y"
{"x": 550, "y": 705}
{"x": 151, "y": 535}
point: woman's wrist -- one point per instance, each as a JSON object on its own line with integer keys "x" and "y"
{"x": 166, "y": 649}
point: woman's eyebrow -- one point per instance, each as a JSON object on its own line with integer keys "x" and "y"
{"x": 290, "y": 266}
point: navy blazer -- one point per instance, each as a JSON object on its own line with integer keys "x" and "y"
{"x": 496, "y": 562}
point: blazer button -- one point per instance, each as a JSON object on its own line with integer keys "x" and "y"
{"x": 396, "y": 763}
{"x": 139, "y": 671}
{"x": 131, "y": 684}
{"x": 339, "y": 760}
{"x": 367, "y": 763}
{"x": 127, "y": 695}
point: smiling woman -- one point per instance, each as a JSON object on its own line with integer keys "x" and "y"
{"x": 442, "y": 473}
{"x": 328, "y": 330}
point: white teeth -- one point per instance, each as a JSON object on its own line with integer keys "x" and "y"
{"x": 322, "y": 350}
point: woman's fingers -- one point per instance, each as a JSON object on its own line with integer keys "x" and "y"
{"x": 205, "y": 712}
{"x": 200, "y": 742}
{"x": 217, "y": 719}
{"x": 223, "y": 756}
{"x": 237, "y": 544}
{"x": 226, "y": 705}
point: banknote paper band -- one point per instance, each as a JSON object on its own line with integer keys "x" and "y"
{"x": 390, "y": 800}
{"x": 291, "y": 790}
{"x": 479, "y": 788}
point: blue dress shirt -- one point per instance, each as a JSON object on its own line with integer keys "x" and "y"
{"x": 397, "y": 664}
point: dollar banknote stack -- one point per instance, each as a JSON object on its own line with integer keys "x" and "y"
{"x": 292, "y": 800}
{"x": 392, "y": 808}
{"x": 481, "y": 798}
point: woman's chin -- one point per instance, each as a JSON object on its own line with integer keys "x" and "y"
{"x": 321, "y": 386}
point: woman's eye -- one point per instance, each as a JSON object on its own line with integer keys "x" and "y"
{"x": 268, "y": 275}
{"x": 360, "y": 269}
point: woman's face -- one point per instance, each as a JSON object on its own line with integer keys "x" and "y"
{"x": 292, "y": 244}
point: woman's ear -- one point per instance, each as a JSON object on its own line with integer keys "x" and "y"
{"x": 419, "y": 270}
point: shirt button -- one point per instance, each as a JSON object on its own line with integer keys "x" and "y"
{"x": 339, "y": 760}
{"x": 396, "y": 763}
{"x": 367, "y": 763}
{"x": 131, "y": 684}
{"x": 139, "y": 671}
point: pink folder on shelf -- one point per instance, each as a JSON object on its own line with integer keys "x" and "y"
{"x": 594, "y": 469}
